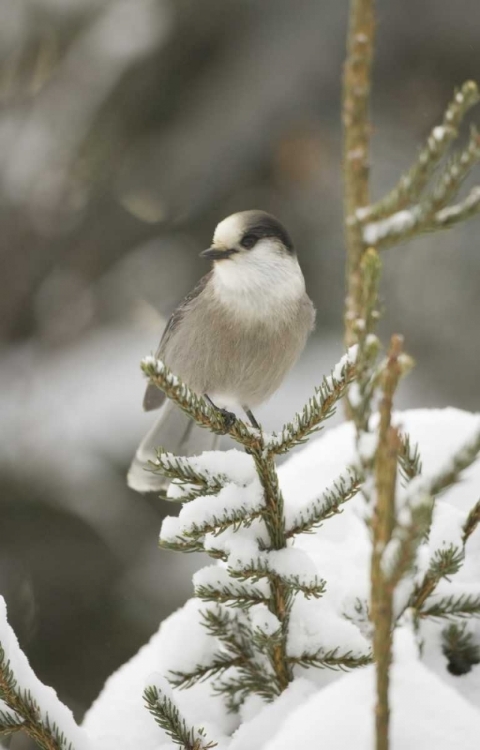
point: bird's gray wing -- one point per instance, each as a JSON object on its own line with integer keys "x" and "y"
{"x": 154, "y": 397}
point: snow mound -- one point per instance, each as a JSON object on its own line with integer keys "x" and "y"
{"x": 431, "y": 707}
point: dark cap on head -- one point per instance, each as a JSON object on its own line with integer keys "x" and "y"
{"x": 260, "y": 224}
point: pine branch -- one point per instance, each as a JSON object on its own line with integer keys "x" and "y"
{"x": 22, "y": 707}
{"x": 409, "y": 459}
{"x": 322, "y": 659}
{"x": 253, "y": 676}
{"x": 238, "y": 689}
{"x": 181, "y": 469}
{"x": 412, "y": 184}
{"x": 452, "y": 215}
{"x": 328, "y": 505}
{"x": 460, "y": 649}
{"x": 182, "y": 545}
{"x": 197, "y": 408}
{"x": 10, "y": 722}
{"x": 399, "y": 555}
{"x": 320, "y": 407}
{"x": 472, "y": 522}
{"x": 260, "y": 568}
{"x": 219, "y": 664}
{"x": 464, "y": 605}
{"x": 462, "y": 459}
{"x": 432, "y": 213}
{"x": 167, "y": 716}
{"x": 235, "y": 595}
{"x": 231, "y": 518}
{"x": 444, "y": 563}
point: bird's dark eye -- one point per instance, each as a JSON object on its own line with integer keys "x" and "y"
{"x": 248, "y": 241}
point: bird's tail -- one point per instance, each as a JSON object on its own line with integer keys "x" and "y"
{"x": 175, "y": 432}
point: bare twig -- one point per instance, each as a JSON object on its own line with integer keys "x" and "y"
{"x": 382, "y": 526}
{"x": 356, "y": 92}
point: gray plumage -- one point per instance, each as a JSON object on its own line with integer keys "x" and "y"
{"x": 234, "y": 337}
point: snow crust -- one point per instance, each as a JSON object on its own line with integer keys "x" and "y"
{"x": 425, "y": 713}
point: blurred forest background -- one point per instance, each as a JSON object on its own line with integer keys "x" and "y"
{"x": 128, "y": 129}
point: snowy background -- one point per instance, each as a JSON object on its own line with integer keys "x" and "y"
{"x": 128, "y": 129}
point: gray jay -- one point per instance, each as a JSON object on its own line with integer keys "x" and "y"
{"x": 233, "y": 338}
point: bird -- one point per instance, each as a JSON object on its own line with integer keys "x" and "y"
{"x": 233, "y": 339}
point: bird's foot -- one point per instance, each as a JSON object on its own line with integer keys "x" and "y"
{"x": 228, "y": 417}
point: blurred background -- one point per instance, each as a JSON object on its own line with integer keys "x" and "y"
{"x": 128, "y": 129}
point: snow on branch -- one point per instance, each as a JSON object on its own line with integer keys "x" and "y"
{"x": 293, "y": 566}
{"x": 213, "y": 584}
{"x": 185, "y": 472}
{"x": 405, "y": 212}
{"x": 412, "y": 184}
{"x": 27, "y": 704}
{"x": 240, "y": 670}
{"x": 160, "y": 702}
{"x": 232, "y": 507}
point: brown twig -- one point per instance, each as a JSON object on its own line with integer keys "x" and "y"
{"x": 356, "y": 138}
{"x": 382, "y": 526}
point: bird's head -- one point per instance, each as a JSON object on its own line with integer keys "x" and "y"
{"x": 250, "y": 237}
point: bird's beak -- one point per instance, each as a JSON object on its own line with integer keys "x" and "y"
{"x": 217, "y": 253}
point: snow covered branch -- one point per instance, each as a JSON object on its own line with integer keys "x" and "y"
{"x": 411, "y": 185}
{"x": 405, "y": 213}
{"x": 161, "y": 704}
{"x": 26, "y": 704}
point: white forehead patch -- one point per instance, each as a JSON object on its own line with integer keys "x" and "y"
{"x": 229, "y": 231}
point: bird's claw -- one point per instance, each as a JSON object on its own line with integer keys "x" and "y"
{"x": 228, "y": 417}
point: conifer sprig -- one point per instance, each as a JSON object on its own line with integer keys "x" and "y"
{"x": 259, "y": 569}
{"x": 239, "y": 670}
{"x": 197, "y": 408}
{"x": 167, "y": 716}
{"x": 411, "y": 185}
{"x": 320, "y": 407}
{"x": 24, "y": 712}
{"x": 182, "y": 470}
{"x": 459, "y": 647}
{"x": 409, "y": 459}
{"x": 332, "y": 659}
{"x": 327, "y": 505}
{"x": 472, "y": 522}
{"x": 405, "y": 212}
{"x": 462, "y": 605}
{"x": 235, "y": 595}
